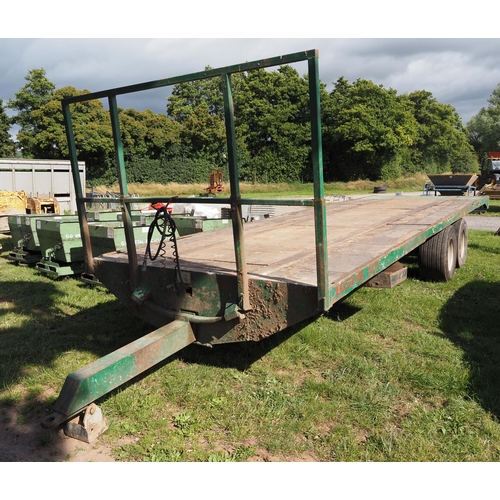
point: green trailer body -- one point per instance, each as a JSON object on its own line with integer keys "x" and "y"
{"x": 23, "y": 227}
{"x": 23, "y": 230}
{"x": 24, "y": 233}
{"x": 247, "y": 281}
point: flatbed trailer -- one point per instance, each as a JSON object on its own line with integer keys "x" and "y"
{"x": 248, "y": 281}
{"x": 365, "y": 237}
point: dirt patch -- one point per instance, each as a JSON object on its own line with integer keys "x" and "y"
{"x": 29, "y": 442}
{"x": 262, "y": 455}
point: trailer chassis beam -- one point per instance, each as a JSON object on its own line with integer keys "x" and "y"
{"x": 88, "y": 384}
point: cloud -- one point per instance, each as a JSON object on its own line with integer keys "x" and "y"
{"x": 460, "y": 72}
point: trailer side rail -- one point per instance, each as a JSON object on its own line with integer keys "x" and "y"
{"x": 235, "y": 200}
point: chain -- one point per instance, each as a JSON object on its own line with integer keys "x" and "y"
{"x": 165, "y": 224}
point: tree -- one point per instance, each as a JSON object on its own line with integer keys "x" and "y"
{"x": 149, "y": 141}
{"x": 441, "y": 143}
{"x": 91, "y": 127}
{"x": 273, "y": 121}
{"x": 7, "y": 146}
{"x": 36, "y": 92}
{"x": 190, "y": 95}
{"x": 368, "y": 132}
{"x": 484, "y": 127}
{"x": 147, "y": 134}
{"x": 198, "y": 107}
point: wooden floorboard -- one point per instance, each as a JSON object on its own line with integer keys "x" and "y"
{"x": 283, "y": 247}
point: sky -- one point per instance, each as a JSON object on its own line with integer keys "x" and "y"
{"x": 458, "y": 71}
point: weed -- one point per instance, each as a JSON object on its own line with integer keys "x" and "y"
{"x": 184, "y": 422}
{"x": 46, "y": 438}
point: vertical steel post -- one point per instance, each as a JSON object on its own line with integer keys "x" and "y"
{"x": 79, "y": 191}
{"x": 319, "y": 190}
{"x": 125, "y": 206}
{"x": 237, "y": 219}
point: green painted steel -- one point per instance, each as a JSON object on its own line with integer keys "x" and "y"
{"x": 217, "y": 304}
{"x": 167, "y": 82}
{"x": 360, "y": 276}
{"x": 79, "y": 189}
{"x": 111, "y": 237}
{"x": 293, "y": 202}
{"x": 61, "y": 244}
{"x": 60, "y": 238}
{"x": 25, "y": 235}
{"x": 236, "y": 212}
{"x": 56, "y": 270}
{"x": 319, "y": 191}
{"x": 190, "y": 225}
{"x": 294, "y": 303}
{"x": 23, "y": 231}
{"x": 122, "y": 180}
{"x": 97, "y": 379}
{"x": 311, "y": 56}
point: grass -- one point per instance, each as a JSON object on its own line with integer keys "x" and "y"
{"x": 494, "y": 208}
{"x": 414, "y": 183}
{"x": 408, "y": 374}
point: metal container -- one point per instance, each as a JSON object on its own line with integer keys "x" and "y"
{"x": 110, "y": 237}
{"x": 27, "y": 248}
{"x": 190, "y": 225}
{"x": 61, "y": 242}
{"x": 60, "y": 238}
{"x": 23, "y": 231}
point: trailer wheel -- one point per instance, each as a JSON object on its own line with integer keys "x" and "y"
{"x": 462, "y": 241}
{"x": 437, "y": 257}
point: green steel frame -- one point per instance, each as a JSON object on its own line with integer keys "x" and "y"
{"x": 235, "y": 200}
{"x": 175, "y": 329}
{"x": 84, "y": 386}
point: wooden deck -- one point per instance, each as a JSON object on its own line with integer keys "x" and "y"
{"x": 360, "y": 231}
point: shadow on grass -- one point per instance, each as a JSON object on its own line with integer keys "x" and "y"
{"x": 29, "y": 348}
{"x": 493, "y": 209}
{"x": 242, "y": 355}
{"x": 35, "y": 331}
{"x": 484, "y": 248}
{"x": 471, "y": 320}
{"x": 46, "y": 331}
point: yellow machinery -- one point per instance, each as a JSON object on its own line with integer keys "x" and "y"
{"x": 18, "y": 203}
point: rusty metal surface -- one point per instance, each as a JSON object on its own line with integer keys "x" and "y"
{"x": 452, "y": 179}
{"x": 275, "y": 305}
{"x": 88, "y": 425}
{"x": 360, "y": 248}
{"x": 84, "y": 386}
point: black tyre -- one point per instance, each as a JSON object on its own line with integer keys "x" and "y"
{"x": 380, "y": 189}
{"x": 437, "y": 257}
{"x": 462, "y": 241}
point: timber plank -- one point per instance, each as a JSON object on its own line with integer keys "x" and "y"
{"x": 361, "y": 233}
